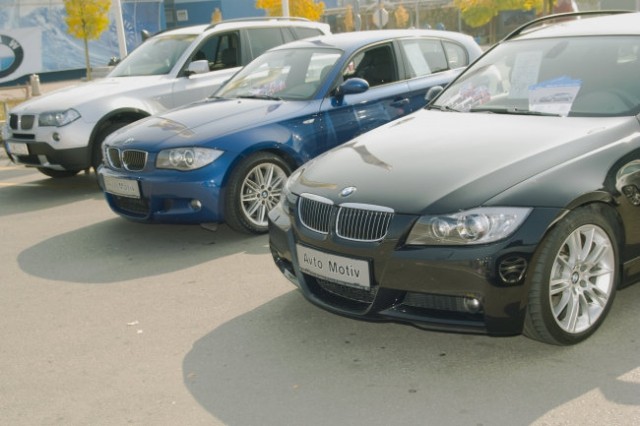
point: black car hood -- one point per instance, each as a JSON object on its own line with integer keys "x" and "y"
{"x": 436, "y": 162}
{"x": 204, "y": 121}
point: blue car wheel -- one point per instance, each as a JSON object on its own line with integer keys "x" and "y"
{"x": 255, "y": 187}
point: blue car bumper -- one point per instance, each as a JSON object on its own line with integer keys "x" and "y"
{"x": 165, "y": 197}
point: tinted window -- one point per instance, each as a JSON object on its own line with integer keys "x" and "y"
{"x": 220, "y": 50}
{"x": 376, "y": 65}
{"x": 263, "y": 39}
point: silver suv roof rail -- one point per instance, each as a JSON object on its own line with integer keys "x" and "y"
{"x": 261, "y": 18}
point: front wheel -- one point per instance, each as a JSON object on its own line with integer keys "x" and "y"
{"x": 255, "y": 187}
{"x": 573, "y": 277}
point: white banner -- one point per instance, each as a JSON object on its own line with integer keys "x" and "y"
{"x": 20, "y": 52}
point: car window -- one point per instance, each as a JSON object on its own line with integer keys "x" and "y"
{"x": 263, "y": 39}
{"x": 292, "y": 74}
{"x": 221, "y": 50}
{"x": 424, "y": 56}
{"x": 456, "y": 55}
{"x": 377, "y": 65}
{"x": 156, "y": 56}
{"x": 569, "y": 76}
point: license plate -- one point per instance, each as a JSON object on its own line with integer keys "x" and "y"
{"x": 340, "y": 269}
{"x": 123, "y": 187}
{"x": 16, "y": 148}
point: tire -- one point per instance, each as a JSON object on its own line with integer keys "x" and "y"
{"x": 96, "y": 149}
{"x": 573, "y": 277}
{"x": 58, "y": 174}
{"x": 254, "y": 188}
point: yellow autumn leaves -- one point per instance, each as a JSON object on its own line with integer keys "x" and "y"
{"x": 309, "y": 9}
{"x": 87, "y": 19}
{"x": 477, "y": 13}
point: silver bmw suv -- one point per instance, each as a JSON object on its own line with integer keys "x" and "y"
{"x": 60, "y": 133}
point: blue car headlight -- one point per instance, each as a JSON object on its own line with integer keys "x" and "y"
{"x": 477, "y": 226}
{"x": 58, "y": 118}
{"x": 186, "y": 158}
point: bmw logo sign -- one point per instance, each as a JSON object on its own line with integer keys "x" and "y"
{"x": 348, "y": 191}
{"x": 11, "y": 55}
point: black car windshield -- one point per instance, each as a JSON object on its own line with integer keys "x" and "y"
{"x": 579, "y": 76}
{"x": 290, "y": 74}
{"x": 156, "y": 56}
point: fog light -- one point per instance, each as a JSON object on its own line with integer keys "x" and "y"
{"x": 472, "y": 305}
{"x": 56, "y": 136}
{"x": 195, "y": 205}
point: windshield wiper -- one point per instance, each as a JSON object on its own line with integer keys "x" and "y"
{"x": 267, "y": 97}
{"x": 513, "y": 110}
{"x": 446, "y": 108}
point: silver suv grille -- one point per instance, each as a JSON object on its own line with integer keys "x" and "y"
{"x": 356, "y": 222}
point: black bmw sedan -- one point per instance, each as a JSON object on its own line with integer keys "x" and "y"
{"x": 511, "y": 204}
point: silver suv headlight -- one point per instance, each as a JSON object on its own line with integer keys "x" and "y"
{"x": 186, "y": 158}
{"x": 58, "y": 118}
{"x": 477, "y": 226}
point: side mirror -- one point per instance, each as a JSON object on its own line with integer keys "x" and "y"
{"x": 198, "y": 67}
{"x": 350, "y": 87}
{"x": 433, "y": 93}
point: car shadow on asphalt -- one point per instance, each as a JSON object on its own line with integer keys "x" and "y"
{"x": 20, "y": 197}
{"x": 118, "y": 250}
{"x": 288, "y": 362}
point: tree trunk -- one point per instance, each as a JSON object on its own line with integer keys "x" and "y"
{"x": 86, "y": 58}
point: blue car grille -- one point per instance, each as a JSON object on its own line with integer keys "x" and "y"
{"x": 356, "y": 222}
{"x": 130, "y": 159}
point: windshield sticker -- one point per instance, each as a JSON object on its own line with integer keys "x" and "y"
{"x": 524, "y": 73}
{"x": 554, "y": 96}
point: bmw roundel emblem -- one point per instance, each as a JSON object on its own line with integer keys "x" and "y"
{"x": 11, "y": 55}
{"x": 348, "y": 191}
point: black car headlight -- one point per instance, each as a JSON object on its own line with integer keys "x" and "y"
{"x": 477, "y": 226}
{"x": 58, "y": 118}
{"x": 186, "y": 158}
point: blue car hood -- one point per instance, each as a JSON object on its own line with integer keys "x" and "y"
{"x": 203, "y": 122}
{"x": 414, "y": 164}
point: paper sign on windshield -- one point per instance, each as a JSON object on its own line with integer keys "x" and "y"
{"x": 554, "y": 96}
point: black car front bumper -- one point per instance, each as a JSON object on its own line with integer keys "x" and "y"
{"x": 473, "y": 289}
